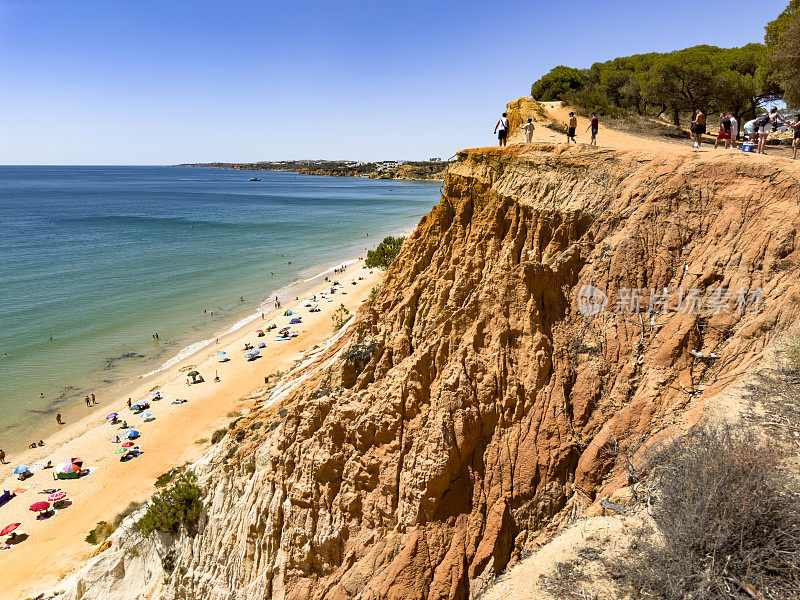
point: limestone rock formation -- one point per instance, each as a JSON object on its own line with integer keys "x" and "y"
{"x": 475, "y": 405}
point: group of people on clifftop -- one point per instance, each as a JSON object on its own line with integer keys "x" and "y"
{"x": 756, "y": 130}
{"x": 501, "y": 129}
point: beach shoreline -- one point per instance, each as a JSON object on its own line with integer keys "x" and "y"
{"x": 172, "y": 439}
{"x": 72, "y": 408}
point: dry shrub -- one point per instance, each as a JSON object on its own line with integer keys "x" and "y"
{"x": 728, "y": 523}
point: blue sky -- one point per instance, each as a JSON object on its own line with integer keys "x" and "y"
{"x": 166, "y": 81}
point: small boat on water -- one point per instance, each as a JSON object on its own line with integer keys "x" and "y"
{"x": 255, "y": 179}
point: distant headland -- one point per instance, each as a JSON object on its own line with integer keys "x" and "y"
{"x": 432, "y": 169}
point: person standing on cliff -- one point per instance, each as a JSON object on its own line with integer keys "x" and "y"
{"x": 501, "y": 129}
{"x": 572, "y": 125}
{"x": 734, "y": 130}
{"x": 528, "y": 128}
{"x": 698, "y": 127}
{"x": 594, "y": 124}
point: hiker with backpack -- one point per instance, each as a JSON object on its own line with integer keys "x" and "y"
{"x": 724, "y": 131}
{"x": 765, "y": 124}
{"x": 501, "y": 129}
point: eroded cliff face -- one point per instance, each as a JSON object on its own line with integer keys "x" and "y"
{"x": 472, "y": 407}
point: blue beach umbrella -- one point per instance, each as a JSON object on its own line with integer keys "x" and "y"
{"x": 21, "y": 469}
{"x": 112, "y": 415}
{"x": 132, "y": 434}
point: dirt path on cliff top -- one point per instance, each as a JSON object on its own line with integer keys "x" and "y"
{"x": 611, "y": 138}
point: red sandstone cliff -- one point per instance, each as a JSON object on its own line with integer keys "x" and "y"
{"x": 471, "y": 407}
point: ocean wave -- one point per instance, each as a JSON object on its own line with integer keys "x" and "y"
{"x": 185, "y": 352}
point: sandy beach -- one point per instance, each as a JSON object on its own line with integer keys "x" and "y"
{"x": 56, "y": 545}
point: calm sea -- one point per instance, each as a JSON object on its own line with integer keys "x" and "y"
{"x": 100, "y": 258}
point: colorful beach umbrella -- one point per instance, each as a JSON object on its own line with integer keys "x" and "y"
{"x": 9, "y": 528}
{"x": 132, "y": 434}
{"x": 155, "y": 393}
{"x": 112, "y": 415}
{"x": 67, "y": 467}
{"x": 21, "y": 469}
{"x": 39, "y": 506}
{"x": 120, "y": 451}
{"x": 127, "y": 444}
{"x": 58, "y": 496}
{"x": 147, "y": 416}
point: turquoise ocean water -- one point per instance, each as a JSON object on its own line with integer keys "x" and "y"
{"x": 100, "y": 258}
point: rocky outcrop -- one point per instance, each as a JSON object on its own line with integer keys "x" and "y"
{"x": 476, "y": 403}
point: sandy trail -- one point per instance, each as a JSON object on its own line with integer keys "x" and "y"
{"x": 618, "y": 140}
{"x": 56, "y": 545}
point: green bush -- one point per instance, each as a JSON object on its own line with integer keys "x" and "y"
{"x": 218, "y": 435}
{"x": 175, "y": 508}
{"x": 339, "y": 317}
{"x": 385, "y": 253}
{"x": 103, "y": 530}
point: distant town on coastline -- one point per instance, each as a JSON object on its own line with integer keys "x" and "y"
{"x": 431, "y": 169}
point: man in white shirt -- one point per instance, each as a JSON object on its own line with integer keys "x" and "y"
{"x": 528, "y": 127}
{"x": 734, "y": 130}
{"x": 501, "y": 129}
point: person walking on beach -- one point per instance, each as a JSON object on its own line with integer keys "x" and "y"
{"x": 698, "y": 128}
{"x": 87, "y": 401}
{"x": 501, "y": 129}
{"x": 58, "y": 419}
{"x": 734, "y": 129}
{"x": 528, "y": 128}
{"x": 3, "y": 457}
{"x": 724, "y": 131}
{"x": 572, "y": 125}
{"x": 594, "y": 124}
{"x": 129, "y": 402}
{"x": 94, "y": 402}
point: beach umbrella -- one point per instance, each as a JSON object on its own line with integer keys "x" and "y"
{"x": 147, "y": 415}
{"x": 57, "y": 496}
{"x": 39, "y": 506}
{"x": 132, "y": 434}
{"x": 262, "y": 345}
{"x": 221, "y": 353}
{"x": 112, "y": 415}
{"x": 120, "y": 450}
{"x": 155, "y": 393}
{"x": 127, "y": 444}
{"x": 76, "y": 461}
{"x": 21, "y": 469}
{"x": 67, "y": 467}
{"x": 193, "y": 373}
{"x": 259, "y": 331}
{"x": 9, "y": 528}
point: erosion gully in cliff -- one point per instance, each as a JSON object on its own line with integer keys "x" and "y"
{"x": 471, "y": 408}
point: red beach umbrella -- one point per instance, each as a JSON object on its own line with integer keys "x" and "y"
{"x": 40, "y": 506}
{"x": 127, "y": 444}
{"x": 57, "y": 496}
{"x": 9, "y": 528}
